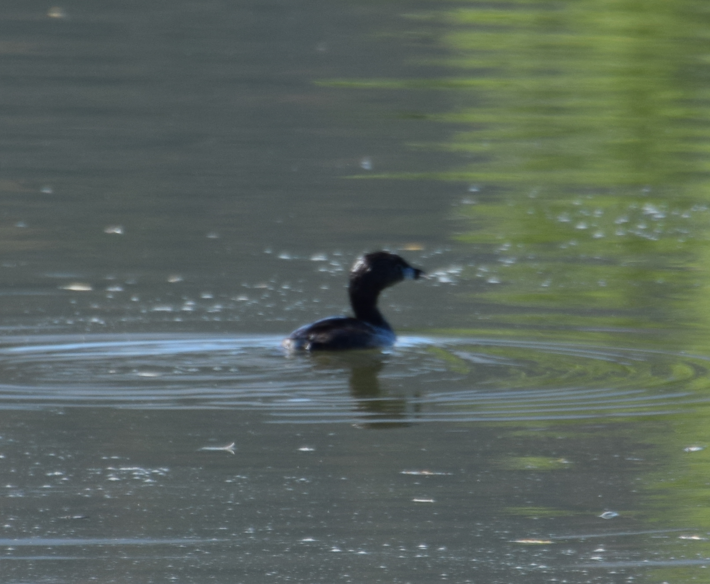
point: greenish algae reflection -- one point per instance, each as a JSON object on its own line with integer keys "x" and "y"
{"x": 581, "y": 130}
{"x": 585, "y": 123}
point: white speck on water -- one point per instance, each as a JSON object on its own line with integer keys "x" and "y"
{"x": 77, "y": 287}
{"x": 319, "y": 257}
{"x": 653, "y": 211}
{"x": 114, "y": 229}
{"x": 306, "y": 449}
{"x": 228, "y": 448}
{"x": 694, "y": 448}
{"x": 58, "y": 13}
{"x": 174, "y": 278}
{"x": 609, "y": 515}
{"x": 447, "y": 275}
{"x": 366, "y": 163}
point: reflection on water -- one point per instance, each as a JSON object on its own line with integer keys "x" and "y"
{"x": 379, "y": 409}
{"x": 585, "y": 196}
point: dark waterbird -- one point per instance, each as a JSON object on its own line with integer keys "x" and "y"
{"x": 370, "y": 275}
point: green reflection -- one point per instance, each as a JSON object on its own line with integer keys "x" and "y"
{"x": 581, "y": 131}
{"x": 587, "y": 122}
{"x": 534, "y": 463}
{"x": 585, "y": 129}
{"x": 536, "y": 512}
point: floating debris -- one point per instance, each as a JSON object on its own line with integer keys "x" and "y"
{"x": 694, "y": 448}
{"x": 425, "y": 473}
{"x": 609, "y": 515}
{"x": 306, "y": 449}
{"x": 77, "y": 287}
{"x": 422, "y": 500}
{"x": 114, "y": 229}
{"x": 228, "y": 448}
{"x": 149, "y": 373}
{"x": 533, "y": 541}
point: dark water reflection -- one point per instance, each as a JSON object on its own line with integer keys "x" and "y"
{"x": 184, "y": 185}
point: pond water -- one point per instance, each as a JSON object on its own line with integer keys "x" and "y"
{"x": 185, "y": 184}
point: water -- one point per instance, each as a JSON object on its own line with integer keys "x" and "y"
{"x": 184, "y": 186}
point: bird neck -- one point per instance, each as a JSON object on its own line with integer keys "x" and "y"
{"x": 364, "y": 305}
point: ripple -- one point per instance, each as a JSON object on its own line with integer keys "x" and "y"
{"x": 424, "y": 379}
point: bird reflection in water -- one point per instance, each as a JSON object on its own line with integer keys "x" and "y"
{"x": 377, "y": 407}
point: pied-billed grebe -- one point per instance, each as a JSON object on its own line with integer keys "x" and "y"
{"x": 370, "y": 275}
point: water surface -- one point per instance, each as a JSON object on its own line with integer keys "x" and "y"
{"x": 184, "y": 186}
